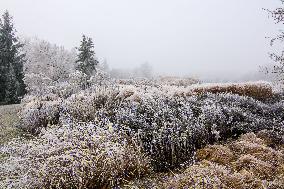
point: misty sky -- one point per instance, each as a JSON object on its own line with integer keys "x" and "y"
{"x": 224, "y": 37}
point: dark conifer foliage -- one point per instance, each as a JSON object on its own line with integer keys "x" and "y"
{"x": 12, "y": 86}
{"x": 86, "y": 60}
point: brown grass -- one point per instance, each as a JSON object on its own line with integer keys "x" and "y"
{"x": 207, "y": 174}
{"x": 216, "y": 153}
{"x": 255, "y": 90}
{"x": 245, "y": 163}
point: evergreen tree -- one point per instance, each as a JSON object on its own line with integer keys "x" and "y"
{"x": 12, "y": 86}
{"x": 86, "y": 60}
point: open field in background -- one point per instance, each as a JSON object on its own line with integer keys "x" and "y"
{"x": 145, "y": 135}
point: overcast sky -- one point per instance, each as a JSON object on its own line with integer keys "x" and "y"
{"x": 221, "y": 37}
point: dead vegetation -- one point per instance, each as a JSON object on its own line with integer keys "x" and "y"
{"x": 246, "y": 163}
{"x": 259, "y": 91}
{"x": 252, "y": 161}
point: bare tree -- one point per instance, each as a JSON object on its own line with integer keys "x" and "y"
{"x": 278, "y": 16}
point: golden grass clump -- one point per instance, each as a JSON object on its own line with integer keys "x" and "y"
{"x": 251, "y": 145}
{"x": 260, "y": 91}
{"x": 252, "y": 138}
{"x": 271, "y": 139}
{"x": 261, "y": 169}
{"x": 216, "y": 153}
{"x": 236, "y": 156}
{"x": 244, "y": 147}
{"x": 211, "y": 175}
{"x": 245, "y": 163}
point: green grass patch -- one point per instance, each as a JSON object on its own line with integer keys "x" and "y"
{"x": 8, "y": 122}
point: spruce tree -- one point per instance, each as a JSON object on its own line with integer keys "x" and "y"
{"x": 12, "y": 86}
{"x": 86, "y": 60}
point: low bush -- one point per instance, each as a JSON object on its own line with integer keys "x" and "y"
{"x": 40, "y": 111}
{"x": 177, "y": 81}
{"x": 84, "y": 106}
{"x": 38, "y": 114}
{"x": 160, "y": 81}
{"x": 171, "y": 129}
{"x": 73, "y": 156}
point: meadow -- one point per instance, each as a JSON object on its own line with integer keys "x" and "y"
{"x": 145, "y": 134}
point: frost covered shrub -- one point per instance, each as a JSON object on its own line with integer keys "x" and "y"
{"x": 136, "y": 82}
{"x": 40, "y": 85}
{"x": 101, "y": 78}
{"x": 177, "y": 81}
{"x": 171, "y": 129}
{"x": 84, "y": 106}
{"x": 232, "y": 115}
{"x": 73, "y": 156}
{"x": 78, "y": 81}
{"x": 37, "y": 84}
{"x": 39, "y": 113}
{"x": 165, "y": 127}
{"x": 160, "y": 81}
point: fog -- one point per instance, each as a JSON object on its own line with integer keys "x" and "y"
{"x": 207, "y": 39}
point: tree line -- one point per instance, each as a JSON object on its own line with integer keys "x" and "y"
{"x": 13, "y": 58}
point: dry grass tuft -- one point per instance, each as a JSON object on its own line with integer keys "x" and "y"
{"x": 211, "y": 175}
{"x": 216, "y": 153}
{"x": 271, "y": 138}
{"x": 260, "y": 169}
{"x": 245, "y": 163}
{"x": 252, "y": 138}
{"x": 260, "y": 91}
{"x": 252, "y": 163}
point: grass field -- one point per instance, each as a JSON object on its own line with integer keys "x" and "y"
{"x": 8, "y": 122}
